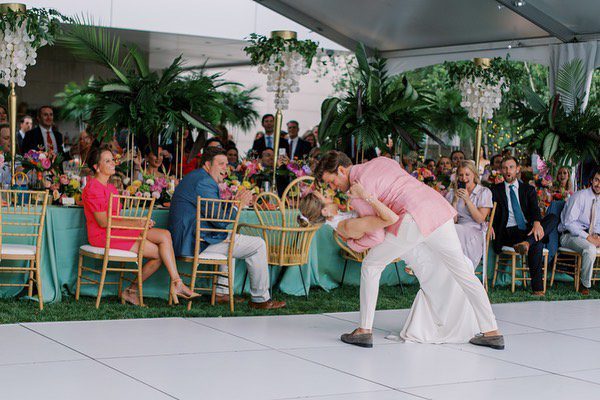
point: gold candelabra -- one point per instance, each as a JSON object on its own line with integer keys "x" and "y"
{"x": 12, "y": 97}
{"x": 286, "y": 35}
{"x": 482, "y": 63}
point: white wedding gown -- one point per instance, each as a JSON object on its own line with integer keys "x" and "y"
{"x": 441, "y": 312}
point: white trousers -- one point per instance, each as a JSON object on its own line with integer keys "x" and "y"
{"x": 445, "y": 248}
{"x": 253, "y": 250}
{"x": 588, "y": 255}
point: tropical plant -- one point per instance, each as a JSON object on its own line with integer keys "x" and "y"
{"x": 151, "y": 104}
{"x": 559, "y": 130}
{"x": 376, "y": 108}
{"x": 73, "y": 105}
{"x": 239, "y": 108}
{"x": 263, "y": 50}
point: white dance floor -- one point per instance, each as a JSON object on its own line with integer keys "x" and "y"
{"x": 552, "y": 352}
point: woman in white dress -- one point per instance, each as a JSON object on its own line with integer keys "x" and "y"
{"x": 441, "y": 312}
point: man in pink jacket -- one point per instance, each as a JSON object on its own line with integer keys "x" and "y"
{"x": 426, "y": 220}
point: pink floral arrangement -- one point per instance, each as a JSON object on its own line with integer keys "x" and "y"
{"x": 38, "y": 160}
{"x": 495, "y": 177}
{"x": 298, "y": 168}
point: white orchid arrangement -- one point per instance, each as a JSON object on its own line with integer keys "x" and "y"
{"x": 21, "y": 35}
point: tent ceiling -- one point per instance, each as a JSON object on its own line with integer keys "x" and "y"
{"x": 402, "y": 27}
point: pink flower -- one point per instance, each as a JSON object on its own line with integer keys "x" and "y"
{"x": 64, "y": 180}
{"x": 55, "y": 186}
{"x": 156, "y": 194}
{"x": 46, "y": 163}
{"x": 138, "y": 194}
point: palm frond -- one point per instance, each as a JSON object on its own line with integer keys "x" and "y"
{"x": 570, "y": 84}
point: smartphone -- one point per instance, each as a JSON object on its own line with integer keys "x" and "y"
{"x": 462, "y": 185}
{"x": 282, "y": 152}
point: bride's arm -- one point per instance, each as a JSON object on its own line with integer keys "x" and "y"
{"x": 355, "y": 228}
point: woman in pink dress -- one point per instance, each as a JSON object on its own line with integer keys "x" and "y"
{"x": 158, "y": 248}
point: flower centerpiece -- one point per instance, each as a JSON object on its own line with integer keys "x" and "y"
{"x": 66, "y": 189}
{"x": 231, "y": 185}
{"x": 149, "y": 186}
{"x": 40, "y": 166}
{"x": 424, "y": 175}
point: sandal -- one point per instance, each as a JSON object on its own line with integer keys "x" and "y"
{"x": 131, "y": 296}
{"x": 181, "y": 293}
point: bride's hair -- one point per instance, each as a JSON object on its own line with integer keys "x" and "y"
{"x": 310, "y": 208}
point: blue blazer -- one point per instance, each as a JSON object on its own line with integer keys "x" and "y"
{"x": 182, "y": 214}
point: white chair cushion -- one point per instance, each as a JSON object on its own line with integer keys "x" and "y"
{"x": 207, "y": 255}
{"x": 567, "y": 250}
{"x": 112, "y": 252}
{"x": 512, "y": 250}
{"x": 18, "y": 249}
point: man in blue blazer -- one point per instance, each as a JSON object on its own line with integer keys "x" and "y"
{"x": 204, "y": 182}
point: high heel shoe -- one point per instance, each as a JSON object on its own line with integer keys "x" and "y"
{"x": 175, "y": 295}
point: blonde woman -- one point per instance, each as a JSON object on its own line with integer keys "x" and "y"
{"x": 473, "y": 204}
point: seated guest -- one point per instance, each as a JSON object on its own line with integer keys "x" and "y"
{"x": 313, "y": 157}
{"x": 5, "y": 138}
{"x": 580, "y": 228}
{"x": 518, "y": 221}
{"x": 158, "y": 248}
{"x": 430, "y": 165}
{"x": 44, "y": 136}
{"x": 562, "y": 183}
{"x": 191, "y": 153}
{"x": 225, "y": 137}
{"x": 213, "y": 142}
{"x": 483, "y": 161}
{"x": 444, "y": 166}
{"x": 154, "y": 163}
{"x": 268, "y": 139}
{"x": 205, "y": 182}
{"x": 233, "y": 158}
{"x": 267, "y": 160}
{"x": 473, "y": 203}
{"x": 84, "y": 146}
{"x": 25, "y": 125}
{"x": 496, "y": 163}
{"x": 299, "y": 148}
{"x": 457, "y": 156}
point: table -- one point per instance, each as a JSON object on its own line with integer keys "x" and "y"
{"x": 65, "y": 232}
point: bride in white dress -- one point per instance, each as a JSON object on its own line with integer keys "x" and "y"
{"x": 440, "y": 312}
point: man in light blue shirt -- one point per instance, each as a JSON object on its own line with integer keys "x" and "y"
{"x": 580, "y": 227}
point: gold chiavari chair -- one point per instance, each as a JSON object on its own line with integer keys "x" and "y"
{"x": 288, "y": 244}
{"x": 22, "y": 215}
{"x": 213, "y": 217}
{"x": 134, "y": 211}
{"x": 292, "y": 193}
{"x": 350, "y": 255}
{"x": 568, "y": 262}
{"x": 486, "y": 248}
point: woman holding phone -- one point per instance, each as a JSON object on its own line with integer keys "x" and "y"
{"x": 473, "y": 204}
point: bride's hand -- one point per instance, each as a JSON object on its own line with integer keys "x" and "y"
{"x": 357, "y": 190}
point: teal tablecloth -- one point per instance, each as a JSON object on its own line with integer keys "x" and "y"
{"x": 65, "y": 232}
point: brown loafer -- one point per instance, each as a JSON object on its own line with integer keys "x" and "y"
{"x": 522, "y": 248}
{"x": 224, "y": 299}
{"x": 584, "y": 291}
{"x": 358, "y": 339}
{"x": 539, "y": 293}
{"x": 267, "y": 305}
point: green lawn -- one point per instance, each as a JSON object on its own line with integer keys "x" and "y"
{"x": 338, "y": 300}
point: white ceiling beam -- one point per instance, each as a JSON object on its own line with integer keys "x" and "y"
{"x": 539, "y": 18}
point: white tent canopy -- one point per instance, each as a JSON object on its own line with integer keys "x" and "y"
{"x": 417, "y": 33}
{"x": 410, "y": 29}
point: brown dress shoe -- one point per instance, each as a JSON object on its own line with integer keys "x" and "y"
{"x": 267, "y": 305}
{"x": 539, "y": 293}
{"x": 584, "y": 291}
{"x": 224, "y": 299}
{"x": 522, "y": 248}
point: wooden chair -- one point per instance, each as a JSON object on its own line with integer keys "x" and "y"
{"x": 292, "y": 193}
{"x": 135, "y": 210}
{"x": 209, "y": 211}
{"x": 288, "y": 244}
{"x": 508, "y": 257}
{"x": 350, "y": 255}
{"x": 22, "y": 216}
{"x": 487, "y": 241}
{"x": 568, "y": 262}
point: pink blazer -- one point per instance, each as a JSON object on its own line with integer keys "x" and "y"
{"x": 401, "y": 192}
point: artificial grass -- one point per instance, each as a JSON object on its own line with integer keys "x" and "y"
{"x": 319, "y": 301}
